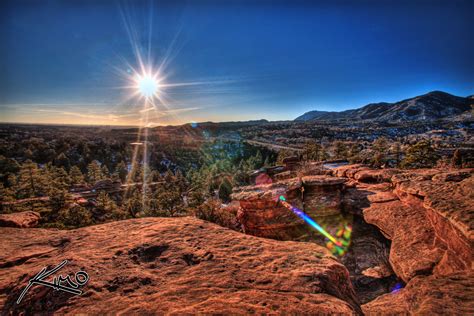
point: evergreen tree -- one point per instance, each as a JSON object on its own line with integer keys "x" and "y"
{"x": 397, "y": 153}
{"x": 76, "y": 175}
{"x": 122, "y": 171}
{"x": 105, "y": 206}
{"x": 168, "y": 196}
{"x": 6, "y": 195}
{"x": 340, "y": 150}
{"x": 76, "y": 216}
{"x": 354, "y": 153}
{"x": 58, "y": 177}
{"x": 133, "y": 203}
{"x": 62, "y": 161}
{"x": 420, "y": 155}
{"x": 29, "y": 180}
{"x": 94, "y": 172}
{"x": 225, "y": 190}
{"x": 105, "y": 172}
{"x": 312, "y": 151}
{"x": 58, "y": 199}
{"x": 380, "y": 149}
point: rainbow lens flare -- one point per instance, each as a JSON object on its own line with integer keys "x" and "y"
{"x": 336, "y": 246}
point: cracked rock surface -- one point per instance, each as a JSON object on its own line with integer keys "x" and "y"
{"x": 172, "y": 265}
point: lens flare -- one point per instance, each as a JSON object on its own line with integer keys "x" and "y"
{"x": 308, "y": 220}
{"x": 338, "y": 247}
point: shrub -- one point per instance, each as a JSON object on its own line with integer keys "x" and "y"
{"x": 212, "y": 211}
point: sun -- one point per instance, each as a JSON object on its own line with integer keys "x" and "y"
{"x": 147, "y": 85}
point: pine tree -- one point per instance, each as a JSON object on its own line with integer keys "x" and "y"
{"x": 225, "y": 190}
{"x": 340, "y": 150}
{"x": 6, "y": 195}
{"x": 168, "y": 196}
{"x": 76, "y": 216}
{"x": 312, "y": 151}
{"x": 62, "y": 161}
{"x": 380, "y": 148}
{"x": 76, "y": 176}
{"x": 94, "y": 172}
{"x": 133, "y": 203}
{"x": 105, "y": 206}
{"x": 29, "y": 179}
{"x": 58, "y": 177}
{"x": 58, "y": 199}
{"x": 420, "y": 155}
{"x": 354, "y": 153}
{"x": 105, "y": 172}
{"x": 122, "y": 171}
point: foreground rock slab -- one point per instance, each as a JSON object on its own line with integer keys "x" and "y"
{"x": 175, "y": 266}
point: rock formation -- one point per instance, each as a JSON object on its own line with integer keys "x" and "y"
{"x": 322, "y": 195}
{"x": 427, "y": 215}
{"x": 21, "y": 220}
{"x": 417, "y": 231}
{"x": 262, "y": 215}
{"x": 172, "y": 265}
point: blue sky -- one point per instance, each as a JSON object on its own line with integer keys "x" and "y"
{"x": 71, "y": 61}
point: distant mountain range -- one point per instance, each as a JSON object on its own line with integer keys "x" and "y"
{"x": 431, "y": 106}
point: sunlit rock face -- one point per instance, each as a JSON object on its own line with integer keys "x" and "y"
{"x": 447, "y": 199}
{"x": 426, "y": 213}
{"x": 262, "y": 215}
{"x": 322, "y": 195}
{"x": 408, "y": 224}
{"x": 172, "y": 266}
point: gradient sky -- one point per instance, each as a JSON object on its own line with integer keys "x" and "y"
{"x": 69, "y": 61}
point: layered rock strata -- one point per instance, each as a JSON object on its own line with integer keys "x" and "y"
{"x": 261, "y": 214}
{"x": 322, "y": 195}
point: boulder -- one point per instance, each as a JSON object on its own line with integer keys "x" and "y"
{"x": 26, "y": 219}
{"x": 172, "y": 266}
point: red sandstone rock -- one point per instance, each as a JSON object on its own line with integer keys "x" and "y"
{"x": 21, "y": 220}
{"x": 322, "y": 195}
{"x": 284, "y": 175}
{"x": 374, "y": 176}
{"x": 448, "y": 200}
{"x": 261, "y": 214}
{"x": 413, "y": 250}
{"x": 434, "y": 295}
{"x": 432, "y": 229}
{"x": 342, "y": 171}
{"x": 172, "y": 266}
